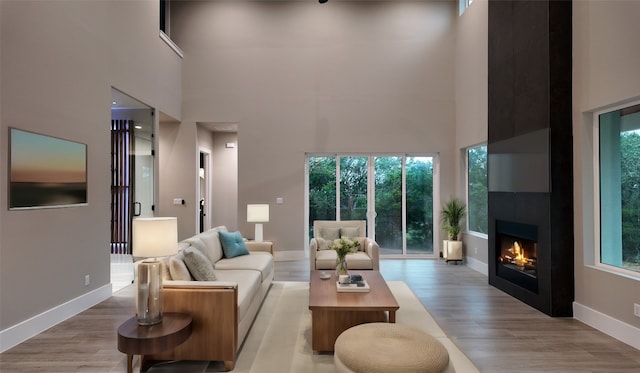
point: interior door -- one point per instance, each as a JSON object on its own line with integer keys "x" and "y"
{"x": 143, "y": 170}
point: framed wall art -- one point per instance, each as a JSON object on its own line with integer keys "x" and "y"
{"x": 45, "y": 171}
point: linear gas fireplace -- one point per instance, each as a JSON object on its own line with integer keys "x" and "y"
{"x": 516, "y": 253}
{"x": 530, "y": 153}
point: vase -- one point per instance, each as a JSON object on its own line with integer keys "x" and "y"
{"x": 341, "y": 266}
{"x": 149, "y": 292}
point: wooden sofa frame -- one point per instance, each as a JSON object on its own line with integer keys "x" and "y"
{"x": 214, "y": 334}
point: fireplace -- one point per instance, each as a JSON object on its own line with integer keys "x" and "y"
{"x": 516, "y": 253}
{"x": 530, "y": 154}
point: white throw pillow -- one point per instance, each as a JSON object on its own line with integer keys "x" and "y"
{"x": 322, "y": 243}
{"x": 199, "y": 266}
{"x": 329, "y": 233}
{"x": 178, "y": 269}
{"x": 350, "y": 232}
{"x": 361, "y": 240}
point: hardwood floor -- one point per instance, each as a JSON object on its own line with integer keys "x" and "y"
{"x": 497, "y": 332}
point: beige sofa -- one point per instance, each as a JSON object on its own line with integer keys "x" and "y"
{"x": 324, "y": 231}
{"x": 222, "y": 310}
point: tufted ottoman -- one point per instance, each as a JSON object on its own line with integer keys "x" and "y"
{"x": 386, "y": 347}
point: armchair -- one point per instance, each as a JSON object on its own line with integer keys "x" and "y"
{"x": 325, "y": 231}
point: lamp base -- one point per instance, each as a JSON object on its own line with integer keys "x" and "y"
{"x": 258, "y": 234}
{"x": 149, "y": 292}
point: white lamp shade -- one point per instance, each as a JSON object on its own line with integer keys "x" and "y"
{"x": 258, "y": 213}
{"x": 154, "y": 237}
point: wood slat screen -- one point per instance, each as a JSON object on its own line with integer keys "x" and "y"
{"x": 122, "y": 166}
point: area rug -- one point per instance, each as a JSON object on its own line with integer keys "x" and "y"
{"x": 280, "y": 339}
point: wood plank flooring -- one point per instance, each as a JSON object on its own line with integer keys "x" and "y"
{"x": 497, "y": 332}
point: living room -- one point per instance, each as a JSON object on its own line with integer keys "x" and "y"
{"x": 296, "y": 77}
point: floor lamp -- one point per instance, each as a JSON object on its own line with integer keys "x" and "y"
{"x": 152, "y": 237}
{"x": 258, "y": 213}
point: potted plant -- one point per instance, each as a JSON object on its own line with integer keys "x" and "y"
{"x": 451, "y": 215}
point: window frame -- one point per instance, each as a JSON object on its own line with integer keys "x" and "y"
{"x": 594, "y": 260}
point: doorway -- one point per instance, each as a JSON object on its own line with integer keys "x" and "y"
{"x": 204, "y": 190}
{"x": 132, "y": 178}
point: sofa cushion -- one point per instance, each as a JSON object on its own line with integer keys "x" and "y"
{"x": 258, "y": 261}
{"x": 208, "y": 243}
{"x": 199, "y": 265}
{"x": 327, "y": 260}
{"x": 248, "y": 286}
{"x": 178, "y": 269}
{"x": 350, "y": 232}
{"x": 330, "y": 233}
{"x": 233, "y": 244}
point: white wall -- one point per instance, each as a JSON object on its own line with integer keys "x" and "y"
{"x": 605, "y": 72}
{"x": 224, "y": 183}
{"x": 59, "y": 61}
{"x": 471, "y": 106}
{"x": 302, "y": 77}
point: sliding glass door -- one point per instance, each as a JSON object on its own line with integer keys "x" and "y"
{"x": 388, "y": 204}
{"x": 419, "y": 202}
{"x": 393, "y": 193}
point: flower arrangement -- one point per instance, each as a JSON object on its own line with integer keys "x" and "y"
{"x": 343, "y": 246}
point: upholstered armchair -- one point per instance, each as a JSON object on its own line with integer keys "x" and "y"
{"x": 325, "y": 231}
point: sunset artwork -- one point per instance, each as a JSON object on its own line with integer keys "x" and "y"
{"x": 46, "y": 171}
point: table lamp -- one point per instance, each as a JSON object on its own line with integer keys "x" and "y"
{"x": 258, "y": 213}
{"x": 152, "y": 238}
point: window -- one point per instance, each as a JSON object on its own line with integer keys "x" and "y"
{"x": 463, "y": 5}
{"x": 618, "y": 160}
{"x": 477, "y": 210}
{"x": 393, "y": 193}
{"x": 164, "y": 16}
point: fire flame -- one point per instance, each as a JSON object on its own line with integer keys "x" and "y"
{"x": 520, "y": 258}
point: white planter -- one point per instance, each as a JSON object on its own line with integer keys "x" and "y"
{"x": 452, "y": 250}
{"x": 445, "y": 243}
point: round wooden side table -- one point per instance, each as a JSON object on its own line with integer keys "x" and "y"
{"x": 135, "y": 339}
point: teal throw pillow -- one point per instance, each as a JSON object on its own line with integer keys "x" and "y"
{"x": 233, "y": 244}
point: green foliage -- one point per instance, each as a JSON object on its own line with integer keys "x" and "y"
{"x": 478, "y": 193}
{"x": 353, "y": 188}
{"x": 630, "y": 184}
{"x": 322, "y": 190}
{"x": 388, "y": 192}
{"x": 451, "y": 214}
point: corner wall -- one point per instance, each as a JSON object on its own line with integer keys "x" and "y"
{"x": 59, "y": 60}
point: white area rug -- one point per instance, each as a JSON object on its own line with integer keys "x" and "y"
{"x": 280, "y": 339}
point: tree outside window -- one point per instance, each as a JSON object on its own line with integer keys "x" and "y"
{"x": 477, "y": 189}
{"x": 619, "y": 154}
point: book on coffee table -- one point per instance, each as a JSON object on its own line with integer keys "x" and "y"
{"x": 353, "y": 287}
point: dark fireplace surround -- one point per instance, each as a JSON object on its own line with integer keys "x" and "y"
{"x": 530, "y": 152}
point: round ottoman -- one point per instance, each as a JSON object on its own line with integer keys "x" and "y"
{"x": 386, "y": 347}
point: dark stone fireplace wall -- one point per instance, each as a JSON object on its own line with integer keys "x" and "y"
{"x": 530, "y": 97}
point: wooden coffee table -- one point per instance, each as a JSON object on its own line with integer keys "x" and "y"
{"x": 333, "y": 312}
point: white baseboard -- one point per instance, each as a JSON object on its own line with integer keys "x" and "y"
{"x": 619, "y": 330}
{"x": 289, "y": 255}
{"x": 19, "y": 333}
{"x": 478, "y": 265}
